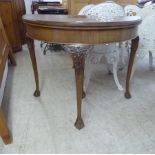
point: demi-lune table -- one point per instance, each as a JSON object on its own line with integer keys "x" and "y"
{"x": 75, "y": 30}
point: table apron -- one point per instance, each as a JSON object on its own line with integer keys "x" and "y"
{"x": 82, "y": 36}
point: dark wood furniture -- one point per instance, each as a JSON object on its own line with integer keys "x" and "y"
{"x": 80, "y": 30}
{"x": 52, "y": 10}
{"x": 5, "y": 52}
{"x": 35, "y": 5}
{"x": 11, "y": 12}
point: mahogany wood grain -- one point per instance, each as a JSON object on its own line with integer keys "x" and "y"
{"x": 78, "y": 64}
{"x": 79, "y": 30}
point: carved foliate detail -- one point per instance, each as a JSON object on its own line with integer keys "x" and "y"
{"x": 78, "y": 61}
{"x": 78, "y": 53}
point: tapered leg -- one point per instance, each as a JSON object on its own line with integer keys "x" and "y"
{"x": 30, "y": 43}
{"x": 134, "y": 48}
{"x": 4, "y": 131}
{"x": 78, "y": 62}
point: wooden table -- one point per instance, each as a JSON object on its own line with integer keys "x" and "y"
{"x": 79, "y": 29}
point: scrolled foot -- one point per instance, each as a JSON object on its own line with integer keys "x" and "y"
{"x": 7, "y": 139}
{"x": 127, "y": 95}
{"x": 37, "y": 93}
{"x": 83, "y": 94}
{"x": 79, "y": 124}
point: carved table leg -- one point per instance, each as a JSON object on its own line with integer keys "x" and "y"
{"x": 134, "y": 48}
{"x": 79, "y": 61}
{"x": 30, "y": 43}
{"x": 4, "y": 131}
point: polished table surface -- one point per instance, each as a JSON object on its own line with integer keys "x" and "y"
{"x": 80, "y": 29}
{"x": 67, "y": 29}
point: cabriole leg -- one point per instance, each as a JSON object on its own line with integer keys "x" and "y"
{"x": 134, "y": 48}
{"x": 78, "y": 62}
{"x": 30, "y": 43}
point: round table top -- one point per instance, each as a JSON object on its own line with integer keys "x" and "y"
{"x": 80, "y": 21}
{"x": 69, "y": 29}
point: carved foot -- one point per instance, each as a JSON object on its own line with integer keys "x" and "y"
{"x": 79, "y": 123}
{"x": 37, "y": 93}
{"x": 83, "y": 94}
{"x": 7, "y": 139}
{"x": 127, "y": 95}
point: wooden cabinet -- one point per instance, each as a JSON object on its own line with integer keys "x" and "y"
{"x": 21, "y": 10}
{"x": 11, "y": 12}
{"x": 4, "y": 51}
{"x": 74, "y": 6}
